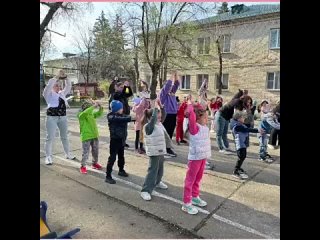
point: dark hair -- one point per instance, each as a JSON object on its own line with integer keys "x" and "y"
{"x": 146, "y": 116}
{"x": 144, "y": 83}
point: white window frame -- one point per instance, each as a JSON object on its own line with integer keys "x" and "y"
{"x": 185, "y": 77}
{"x": 274, "y": 78}
{"x": 277, "y": 38}
{"x": 224, "y": 43}
{"x": 205, "y": 41}
{"x": 202, "y": 78}
{"x": 222, "y": 78}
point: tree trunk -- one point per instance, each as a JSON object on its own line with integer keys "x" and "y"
{"x": 220, "y": 66}
{"x": 53, "y": 8}
{"x": 154, "y": 82}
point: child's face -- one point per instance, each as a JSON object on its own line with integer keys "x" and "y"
{"x": 241, "y": 120}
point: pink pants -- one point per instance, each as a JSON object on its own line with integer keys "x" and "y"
{"x": 193, "y": 178}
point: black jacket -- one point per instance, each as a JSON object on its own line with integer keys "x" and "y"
{"x": 118, "y": 125}
{"x": 122, "y": 97}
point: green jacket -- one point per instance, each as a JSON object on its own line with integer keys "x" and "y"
{"x": 88, "y": 124}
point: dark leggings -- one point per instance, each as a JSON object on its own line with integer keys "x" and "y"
{"x": 170, "y": 123}
{"x": 242, "y": 154}
{"x": 137, "y": 140}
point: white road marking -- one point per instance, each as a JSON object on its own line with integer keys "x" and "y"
{"x": 138, "y": 187}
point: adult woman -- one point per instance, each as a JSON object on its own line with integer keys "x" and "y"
{"x": 56, "y": 113}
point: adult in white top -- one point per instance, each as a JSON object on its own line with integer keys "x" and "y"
{"x": 56, "y": 114}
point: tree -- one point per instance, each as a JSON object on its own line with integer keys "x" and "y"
{"x": 85, "y": 44}
{"x": 224, "y": 8}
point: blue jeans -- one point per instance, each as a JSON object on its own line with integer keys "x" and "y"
{"x": 221, "y": 126}
{"x": 263, "y": 141}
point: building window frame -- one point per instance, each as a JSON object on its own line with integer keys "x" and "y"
{"x": 274, "y": 80}
{"x": 225, "y": 77}
{"x": 184, "y": 82}
{"x": 277, "y": 40}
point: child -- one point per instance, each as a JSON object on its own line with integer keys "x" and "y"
{"x": 214, "y": 105}
{"x": 139, "y": 110}
{"x": 89, "y": 133}
{"x": 199, "y": 152}
{"x": 155, "y": 142}
{"x": 180, "y": 118}
{"x": 241, "y": 135}
{"x": 268, "y": 121}
{"x": 118, "y": 133}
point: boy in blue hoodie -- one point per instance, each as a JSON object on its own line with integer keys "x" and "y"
{"x": 268, "y": 122}
{"x": 241, "y": 135}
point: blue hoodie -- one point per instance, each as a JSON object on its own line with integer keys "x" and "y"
{"x": 241, "y": 133}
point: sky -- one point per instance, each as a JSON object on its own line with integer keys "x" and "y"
{"x": 66, "y": 44}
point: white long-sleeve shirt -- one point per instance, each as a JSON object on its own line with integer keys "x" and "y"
{"x": 51, "y": 97}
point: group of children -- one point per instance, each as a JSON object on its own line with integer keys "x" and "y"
{"x": 155, "y": 141}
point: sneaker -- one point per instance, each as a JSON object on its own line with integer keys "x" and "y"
{"x": 266, "y": 160}
{"x": 96, "y": 166}
{"x": 178, "y": 143}
{"x": 83, "y": 170}
{"x": 183, "y": 141}
{"x": 243, "y": 174}
{"x": 171, "y": 153}
{"x": 271, "y": 146}
{"x": 237, "y": 174}
{"x": 167, "y": 156}
{"x": 189, "y": 209}
{"x": 225, "y": 152}
{"x": 123, "y": 173}
{"x": 48, "y": 161}
{"x": 71, "y": 157}
{"x": 161, "y": 185}
{"x": 145, "y": 196}
{"x": 198, "y": 202}
{"x": 127, "y": 145}
{"x": 110, "y": 180}
{"x": 142, "y": 150}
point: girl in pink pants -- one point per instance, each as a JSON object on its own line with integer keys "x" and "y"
{"x": 199, "y": 152}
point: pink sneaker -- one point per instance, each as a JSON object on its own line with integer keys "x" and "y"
{"x": 83, "y": 170}
{"x": 96, "y": 166}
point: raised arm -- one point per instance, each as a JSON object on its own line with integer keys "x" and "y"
{"x": 165, "y": 91}
{"x": 48, "y": 89}
{"x": 193, "y": 128}
{"x": 175, "y": 86}
{"x": 150, "y": 125}
{"x": 67, "y": 87}
{"x": 98, "y": 113}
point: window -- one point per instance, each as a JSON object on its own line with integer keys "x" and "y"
{"x": 204, "y": 45}
{"x": 201, "y": 77}
{"x": 185, "y": 82}
{"x": 225, "y": 81}
{"x": 275, "y": 38}
{"x": 273, "y": 81}
{"x": 186, "y": 48}
{"x": 225, "y": 42}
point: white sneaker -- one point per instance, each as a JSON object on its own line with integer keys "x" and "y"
{"x": 225, "y": 152}
{"x": 167, "y": 156}
{"x": 189, "y": 209}
{"x": 244, "y": 176}
{"x": 161, "y": 185}
{"x": 145, "y": 196}
{"x": 198, "y": 202}
{"x": 48, "y": 161}
{"x": 71, "y": 157}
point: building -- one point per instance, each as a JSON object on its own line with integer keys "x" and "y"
{"x": 250, "y": 44}
{"x": 74, "y": 67}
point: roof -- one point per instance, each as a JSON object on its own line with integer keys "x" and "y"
{"x": 249, "y": 11}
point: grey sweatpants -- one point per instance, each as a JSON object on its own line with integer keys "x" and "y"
{"x": 94, "y": 143}
{"x": 155, "y": 173}
{"x": 52, "y": 123}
